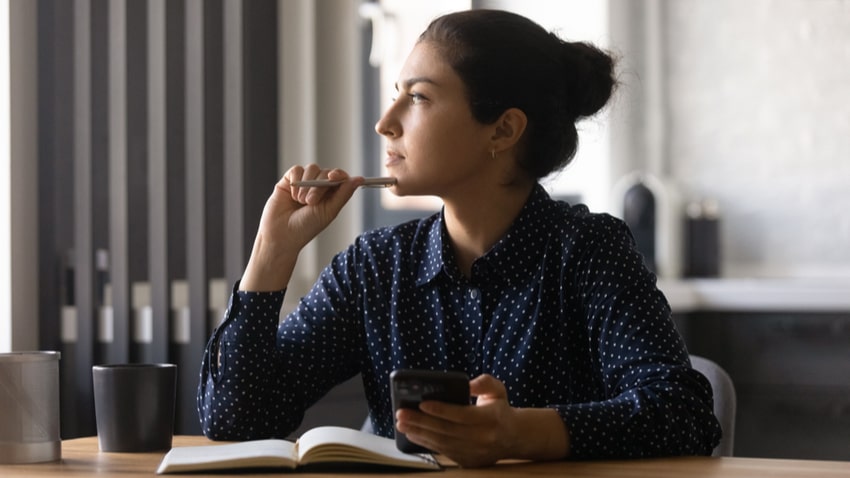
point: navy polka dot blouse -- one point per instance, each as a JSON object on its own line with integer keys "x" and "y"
{"x": 561, "y": 310}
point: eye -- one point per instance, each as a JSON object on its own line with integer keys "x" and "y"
{"x": 416, "y": 98}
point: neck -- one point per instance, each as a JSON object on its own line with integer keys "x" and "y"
{"x": 478, "y": 219}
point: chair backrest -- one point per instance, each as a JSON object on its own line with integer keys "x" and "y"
{"x": 725, "y": 401}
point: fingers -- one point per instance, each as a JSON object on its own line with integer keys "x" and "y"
{"x": 307, "y": 195}
{"x": 487, "y": 387}
{"x": 310, "y": 195}
{"x": 446, "y": 411}
{"x": 470, "y": 444}
{"x": 428, "y": 430}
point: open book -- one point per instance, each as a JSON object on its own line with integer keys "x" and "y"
{"x": 321, "y": 445}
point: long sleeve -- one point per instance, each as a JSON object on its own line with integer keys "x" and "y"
{"x": 238, "y": 384}
{"x": 259, "y": 374}
{"x": 654, "y": 403}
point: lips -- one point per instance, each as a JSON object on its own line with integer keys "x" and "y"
{"x": 393, "y": 157}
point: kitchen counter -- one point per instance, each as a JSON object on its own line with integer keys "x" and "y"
{"x": 758, "y": 295}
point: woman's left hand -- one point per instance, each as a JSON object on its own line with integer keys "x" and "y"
{"x": 473, "y": 436}
{"x": 481, "y": 434}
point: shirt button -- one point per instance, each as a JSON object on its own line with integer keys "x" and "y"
{"x": 473, "y": 293}
{"x": 470, "y": 357}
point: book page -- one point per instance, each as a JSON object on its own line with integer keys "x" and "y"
{"x": 338, "y": 444}
{"x": 250, "y": 454}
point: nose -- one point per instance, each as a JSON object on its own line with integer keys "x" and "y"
{"x": 387, "y": 126}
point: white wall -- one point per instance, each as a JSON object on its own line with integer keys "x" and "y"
{"x": 759, "y": 118}
{"x": 18, "y": 159}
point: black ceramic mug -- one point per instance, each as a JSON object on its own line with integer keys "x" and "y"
{"x": 134, "y": 406}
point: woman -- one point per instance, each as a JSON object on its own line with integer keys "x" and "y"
{"x": 548, "y": 307}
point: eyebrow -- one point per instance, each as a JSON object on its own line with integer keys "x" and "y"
{"x": 409, "y": 83}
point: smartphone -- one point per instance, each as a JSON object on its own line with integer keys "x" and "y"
{"x": 409, "y": 387}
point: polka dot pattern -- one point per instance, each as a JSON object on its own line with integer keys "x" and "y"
{"x": 561, "y": 310}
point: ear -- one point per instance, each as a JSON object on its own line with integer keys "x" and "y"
{"x": 508, "y": 129}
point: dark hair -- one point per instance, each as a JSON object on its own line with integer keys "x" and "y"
{"x": 508, "y": 61}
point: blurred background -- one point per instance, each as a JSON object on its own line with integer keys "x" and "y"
{"x": 140, "y": 139}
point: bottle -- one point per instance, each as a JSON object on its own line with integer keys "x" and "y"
{"x": 640, "y": 212}
{"x": 650, "y": 207}
{"x": 702, "y": 239}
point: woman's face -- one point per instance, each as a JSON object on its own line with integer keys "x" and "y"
{"x": 434, "y": 146}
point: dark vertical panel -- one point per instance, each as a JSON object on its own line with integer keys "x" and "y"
{"x": 83, "y": 227}
{"x": 100, "y": 143}
{"x": 137, "y": 136}
{"x": 135, "y": 159}
{"x": 260, "y": 77}
{"x": 99, "y": 88}
{"x": 51, "y": 256}
{"x": 56, "y": 195}
{"x": 158, "y": 176}
{"x": 177, "y": 220}
{"x": 213, "y": 132}
{"x": 175, "y": 139}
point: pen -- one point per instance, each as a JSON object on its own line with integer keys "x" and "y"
{"x": 367, "y": 183}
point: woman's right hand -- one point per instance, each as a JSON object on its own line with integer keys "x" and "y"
{"x": 291, "y": 218}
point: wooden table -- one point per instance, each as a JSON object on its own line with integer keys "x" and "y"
{"x": 80, "y": 457}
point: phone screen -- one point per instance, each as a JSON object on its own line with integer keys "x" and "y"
{"x": 410, "y": 387}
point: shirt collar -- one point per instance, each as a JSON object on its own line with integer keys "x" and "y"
{"x": 506, "y": 260}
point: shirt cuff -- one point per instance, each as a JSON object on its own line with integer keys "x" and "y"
{"x": 250, "y": 318}
{"x": 596, "y": 429}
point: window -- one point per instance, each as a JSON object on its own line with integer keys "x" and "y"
{"x": 395, "y": 26}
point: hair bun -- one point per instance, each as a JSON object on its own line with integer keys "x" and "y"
{"x": 589, "y": 78}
